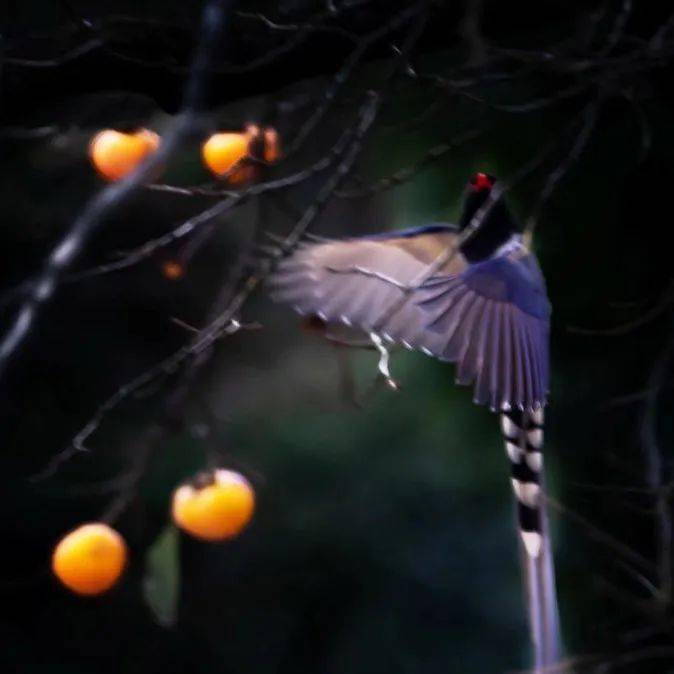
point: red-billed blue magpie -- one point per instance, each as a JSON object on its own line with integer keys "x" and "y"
{"x": 478, "y": 301}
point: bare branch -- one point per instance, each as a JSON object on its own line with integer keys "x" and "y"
{"x": 227, "y": 322}
{"x": 403, "y": 175}
{"x": 70, "y": 55}
{"x": 347, "y": 69}
{"x": 660, "y": 307}
{"x": 67, "y": 250}
{"x": 589, "y": 121}
{"x": 618, "y": 27}
{"x": 601, "y": 536}
{"x": 655, "y": 474}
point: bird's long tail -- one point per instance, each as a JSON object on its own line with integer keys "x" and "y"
{"x": 523, "y": 435}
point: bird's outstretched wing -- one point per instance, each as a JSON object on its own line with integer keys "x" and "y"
{"x": 491, "y": 318}
{"x": 361, "y": 281}
{"x": 493, "y": 321}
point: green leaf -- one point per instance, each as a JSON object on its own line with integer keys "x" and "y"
{"x": 161, "y": 583}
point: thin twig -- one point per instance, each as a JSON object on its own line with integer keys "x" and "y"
{"x": 655, "y": 473}
{"x": 618, "y": 331}
{"x": 618, "y": 27}
{"x": 589, "y": 121}
{"x": 106, "y": 201}
{"x": 593, "y": 531}
{"x": 403, "y": 175}
{"x": 227, "y": 322}
{"x": 345, "y": 72}
{"x": 71, "y": 55}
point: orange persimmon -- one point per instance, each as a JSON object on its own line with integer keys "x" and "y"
{"x": 272, "y": 145}
{"x": 241, "y": 175}
{"x": 222, "y": 151}
{"x": 216, "y": 506}
{"x": 115, "y": 154}
{"x": 172, "y": 270}
{"x": 90, "y": 559}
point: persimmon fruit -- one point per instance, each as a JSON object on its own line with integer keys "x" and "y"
{"x": 222, "y": 151}
{"x": 172, "y": 270}
{"x": 215, "y": 506}
{"x": 90, "y": 559}
{"x": 115, "y": 154}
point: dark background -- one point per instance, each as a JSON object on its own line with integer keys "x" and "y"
{"x": 383, "y": 539}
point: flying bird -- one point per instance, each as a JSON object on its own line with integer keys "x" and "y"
{"x": 473, "y": 295}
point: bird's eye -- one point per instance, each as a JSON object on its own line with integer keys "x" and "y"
{"x": 481, "y": 181}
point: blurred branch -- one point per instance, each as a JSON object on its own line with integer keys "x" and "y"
{"x": 316, "y": 26}
{"x": 655, "y": 473}
{"x": 555, "y": 176}
{"x": 34, "y": 133}
{"x": 660, "y": 307}
{"x": 235, "y": 198}
{"x": 601, "y": 536}
{"x": 471, "y": 32}
{"x": 195, "y": 223}
{"x": 646, "y": 134}
{"x": 105, "y": 33}
{"x": 657, "y": 42}
{"x": 446, "y": 256}
{"x": 405, "y": 174}
{"x": 145, "y": 446}
{"x": 612, "y": 64}
{"x": 72, "y": 54}
{"x": 347, "y": 69}
{"x": 227, "y": 321}
{"x": 106, "y": 201}
{"x": 171, "y": 413}
{"x": 618, "y": 28}
{"x": 165, "y": 367}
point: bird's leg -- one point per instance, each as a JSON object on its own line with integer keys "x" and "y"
{"x": 383, "y": 365}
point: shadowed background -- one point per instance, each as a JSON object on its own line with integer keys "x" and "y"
{"x": 383, "y": 539}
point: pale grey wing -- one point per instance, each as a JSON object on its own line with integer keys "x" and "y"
{"x": 362, "y": 282}
{"x": 490, "y": 318}
{"x": 493, "y": 322}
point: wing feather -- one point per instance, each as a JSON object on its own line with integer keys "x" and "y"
{"x": 526, "y": 360}
{"x": 508, "y": 389}
{"x": 494, "y": 359}
{"x": 490, "y": 318}
{"x": 481, "y": 395}
{"x": 468, "y": 367}
{"x": 460, "y": 322}
{"x": 362, "y": 280}
{"x": 519, "y": 389}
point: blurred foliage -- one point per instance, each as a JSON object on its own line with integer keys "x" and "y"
{"x": 162, "y": 577}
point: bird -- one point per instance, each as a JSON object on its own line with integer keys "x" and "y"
{"x": 472, "y": 294}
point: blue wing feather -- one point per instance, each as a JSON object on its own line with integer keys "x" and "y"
{"x": 505, "y": 280}
{"x": 514, "y": 321}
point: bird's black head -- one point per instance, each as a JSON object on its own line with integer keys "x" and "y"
{"x": 497, "y": 226}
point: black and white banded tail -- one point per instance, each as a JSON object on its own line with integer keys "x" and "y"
{"x": 523, "y": 435}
